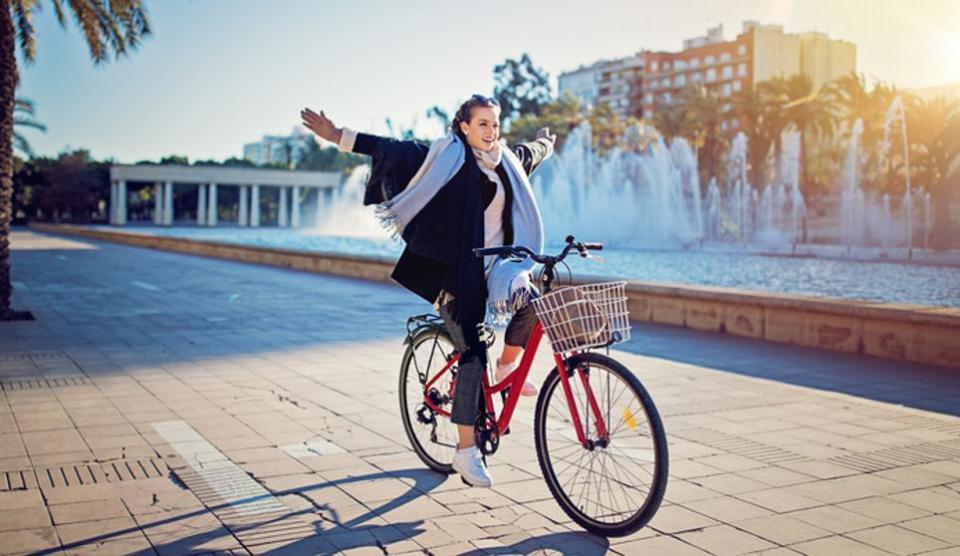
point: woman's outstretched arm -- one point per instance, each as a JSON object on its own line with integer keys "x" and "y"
{"x": 532, "y": 154}
{"x": 345, "y": 139}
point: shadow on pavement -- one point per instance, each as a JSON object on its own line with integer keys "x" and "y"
{"x": 919, "y": 386}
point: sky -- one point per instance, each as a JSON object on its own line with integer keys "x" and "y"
{"x": 216, "y": 74}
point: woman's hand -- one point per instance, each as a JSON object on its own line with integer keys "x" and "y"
{"x": 544, "y": 133}
{"x": 321, "y": 125}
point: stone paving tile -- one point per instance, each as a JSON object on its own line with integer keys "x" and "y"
{"x": 724, "y": 539}
{"x": 897, "y": 540}
{"x": 835, "y": 519}
{"x": 28, "y": 540}
{"x": 24, "y": 518}
{"x": 832, "y": 546}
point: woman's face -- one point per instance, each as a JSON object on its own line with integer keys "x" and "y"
{"x": 483, "y": 131}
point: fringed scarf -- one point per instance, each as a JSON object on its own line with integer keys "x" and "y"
{"x": 508, "y": 280}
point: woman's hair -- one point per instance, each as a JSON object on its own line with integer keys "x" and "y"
{"x": 465, "y": 112}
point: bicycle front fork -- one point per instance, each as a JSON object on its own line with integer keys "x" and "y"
{"x": 593, "y": 408}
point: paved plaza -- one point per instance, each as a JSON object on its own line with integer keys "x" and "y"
{"x": 164, "y": 403}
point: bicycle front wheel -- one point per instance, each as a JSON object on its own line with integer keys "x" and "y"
{"x": 614, "y": 485}
{"x": 432, "y": 435}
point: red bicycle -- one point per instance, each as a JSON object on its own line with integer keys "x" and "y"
{"x": 599, "y": 438}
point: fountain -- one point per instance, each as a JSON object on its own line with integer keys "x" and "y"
{"x": 895, "y": 113}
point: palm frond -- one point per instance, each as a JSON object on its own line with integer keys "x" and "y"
{"x": 21, "y": 144}
{"x": 22, "y": 12}
{"x": 27, "y": 122}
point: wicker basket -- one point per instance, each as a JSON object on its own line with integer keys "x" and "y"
{"x": 581, "y": 317}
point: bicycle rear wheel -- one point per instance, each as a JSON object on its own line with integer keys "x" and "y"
{"x": 613, "y": 487}
{"x": 433, "y": 436}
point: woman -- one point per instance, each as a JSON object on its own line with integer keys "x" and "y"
{"x": 461, "y": 193}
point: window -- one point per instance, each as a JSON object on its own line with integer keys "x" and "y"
{"x": 681, "y": 80}
{"x": 723, "y": 125}
{"x": 736, "y": 86}
{"x": 666, "y": 66}
{"x": 742, "y": 70}
{"x": 666, "y": 98}
{"x": 727, "y": 72}
{"x": 695, "y": 62}
{"x": 742, "y": 50}
{"x": 665, "y": 81}
{"x": 725, "y": 57}
{"x": 726, "y": 89}
{"x": 653, "y": 66}
{"x": 696, "y": 77}
{"x": 648, "y": 98}
{"x": 711, "y": 75}
{"x": 653, "y": 83}
{"x": 680, "y": 65}
{"x": 709, "y": 60}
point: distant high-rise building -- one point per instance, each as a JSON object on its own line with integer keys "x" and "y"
{"x": 285, "y": 149}
{"x": 637, "y": 85}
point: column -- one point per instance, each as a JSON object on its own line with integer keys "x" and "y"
{"x": 243, "y": 216}
{"x": 295, "y": 207}
{"x": 122, "y": 205}
{"x": 168, "y": 203}
{"x": 212, "y": 205}
{"x": 113, "y": 202}
{"x": 255, "y": 206}
{"x": 201, "y": 205}
{"x": 158, "y": 203}
{"x": 321, "y": 206}
{"x": 282, "y": 208}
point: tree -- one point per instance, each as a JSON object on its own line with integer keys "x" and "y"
{"x": 108, "y": 26}
{"x": 521, "y": 88}
{"x": 809, "y": 111}
{"x": 706, "y": 113}
{"x": 441, "y": 116}
{"x": 933, "y": 130}
{"x": 758, "y": 114}
{"x": 23, "y": 112}
{"x": 560, "y": 115}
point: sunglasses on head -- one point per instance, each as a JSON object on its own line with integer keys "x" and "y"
{"x": 485, "y": 100}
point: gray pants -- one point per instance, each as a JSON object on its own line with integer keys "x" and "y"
{"x": 468, "y": 401}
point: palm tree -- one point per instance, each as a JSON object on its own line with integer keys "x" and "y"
{"x": 758, "y": 115}
{"x": 672, "y": 121}
{"x": 706, "y": 112}
{"x": 809, "y": 111}
{"x": 23, "y": 111}
{"x": 108, "y": 26}
{"x": 934, "y": 135}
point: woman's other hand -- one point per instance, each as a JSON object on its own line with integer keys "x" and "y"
{"x": 321, "y": 125}
{"x": 544, "y": 133}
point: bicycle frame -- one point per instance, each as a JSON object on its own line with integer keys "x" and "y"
{"x": 515, "y": 383}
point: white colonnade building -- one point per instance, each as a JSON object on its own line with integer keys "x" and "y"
{"x": 202, "y": 195}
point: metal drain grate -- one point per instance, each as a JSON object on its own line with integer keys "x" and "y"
{"x": 35, "y": 383}
{"x": 17, "y": 480}
{"x": 902, "y": 456}
{"x": 33, "y": 356}
{"x": 63, "y": 476}
{"x": 737, "y": 445}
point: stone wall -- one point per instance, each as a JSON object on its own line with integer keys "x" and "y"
{"x": 904, "y": 332}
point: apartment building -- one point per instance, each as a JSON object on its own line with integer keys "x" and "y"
{"x": 724, "y": 67}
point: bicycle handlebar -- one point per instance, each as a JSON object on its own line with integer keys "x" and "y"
{"x": 524, "y": 252}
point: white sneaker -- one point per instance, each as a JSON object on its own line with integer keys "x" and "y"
{"x": 469, "y": 464}
{"x": 503, "y": 371}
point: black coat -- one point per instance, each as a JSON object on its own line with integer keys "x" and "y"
{"x": 439, "y": 239}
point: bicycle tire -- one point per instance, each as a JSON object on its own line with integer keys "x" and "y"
{"x": 657, "y": 436}
{"x": 408, "y": 372}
